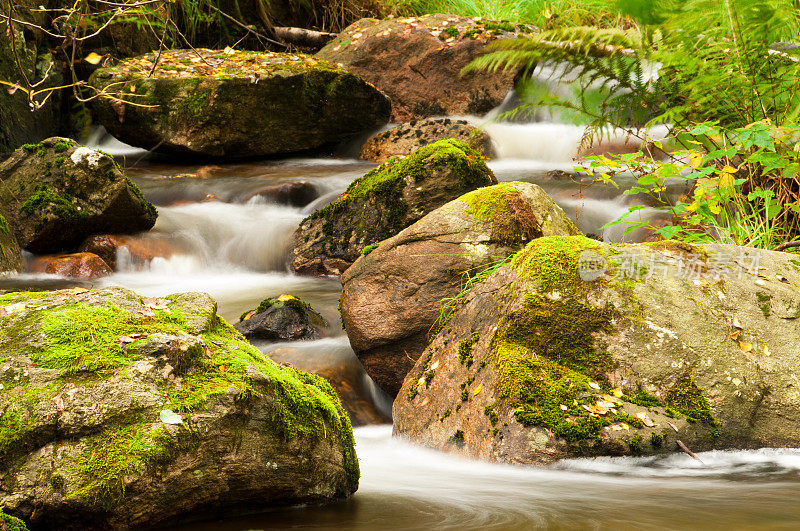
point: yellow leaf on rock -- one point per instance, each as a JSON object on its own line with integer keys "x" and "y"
{"x": 594, "y": 385}
{"x": 745, "y": 347}
{"x": 477, "y": 390}
{"x": 737, "y": 324}
{"x": 616, "y": 392}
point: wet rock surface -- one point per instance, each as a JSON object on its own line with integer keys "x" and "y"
{"x": 56, "y": 193}
{"x": 385, "y": 201}
{"x": 123, "y": 412}
{"x": 283, "y": 318}
{"x": 418, "y": 62}
{"x": 239, "y": 104}
{"x": 407, "y": 137}
{"x": 657, "y": 343}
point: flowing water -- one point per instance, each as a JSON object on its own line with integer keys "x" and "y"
{"x": 214, "y": 235}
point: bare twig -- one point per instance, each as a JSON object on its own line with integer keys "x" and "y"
{"x": 685, "y": 449}
{"x": 787, "y": 245}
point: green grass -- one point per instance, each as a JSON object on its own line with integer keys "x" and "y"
{"x": 542, "y": 13}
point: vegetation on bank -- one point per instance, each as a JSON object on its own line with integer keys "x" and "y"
{"x": 725, "y": 83}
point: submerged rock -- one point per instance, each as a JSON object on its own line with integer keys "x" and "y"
{"x": 238, "y": 104}
{"x": 407, "y": 137}
{"x": 384, "y": 202}
{"x": 76, "y": 265}
{"x": 284, "y": 318}
{"x": 418, "y": 62}
{"x": 123, "y": 413}
{"x": 391, "y": 297}
{"x": 56, "y": 193}
{"x": 579, "y": 348}
{"x": 297, "y": 194}
{"x": 10, "y": 253}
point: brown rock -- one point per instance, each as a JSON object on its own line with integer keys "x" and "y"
{"x": 391, "y": 298}
{"x": 385, "y": 201}
{"x": 140, "y": 250}
{"x": 580, "y": 348}
{"x": 407, "y": 137}
{"x": 418, "y": 61}
{"x": 77, "y": 265}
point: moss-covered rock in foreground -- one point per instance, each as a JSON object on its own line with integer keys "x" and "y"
{"x": 385, "y": 201}
{"x": 237, "y": 104}
{"x": 56, "y": 193}
{"x": 428, "y": 263}
{"x": 649, "y": 345}
{"x": 284, "y": 318}
{"x": 122, "y": 412}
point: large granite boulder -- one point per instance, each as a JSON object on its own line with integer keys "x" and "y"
{"x": 579, "y": 348}
{"x": 30, "y": 58}
{"x": 408, "y": 137}
{"x": 124, "y": 413}
{"x": 235, "y": 103}
{"x": 418, "y": 61}
{"x": 56, "y": 193}
{"x": 384, "y": 202}
{"x": 391, "y": 297}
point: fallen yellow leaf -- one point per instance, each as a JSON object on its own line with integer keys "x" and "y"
{"x": 737, "y": 324}
{"x": 563, "y": 407}
{"x": 745, "y": 347}
{"x": 93, "y": 58}
{"x": 616, "y": 392}
{"x": 594, "y": 385}
{"x": 477, "y": 390}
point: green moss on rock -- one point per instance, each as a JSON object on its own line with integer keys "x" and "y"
{"x": 12, "y": 524}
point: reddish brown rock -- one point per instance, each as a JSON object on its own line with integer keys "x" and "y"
{"x": 407, "y": 137}
{"x": 77, "y": 265}
{"x": 391, "y": 298}
{"x": 140, "y": 250}
{"x": 417, "y": 62}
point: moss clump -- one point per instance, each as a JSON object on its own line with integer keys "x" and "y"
{"x": 500, "y": 26}
{"x": 46, "y": 201}
{"x": 490, "y": 412}
{"x": 449, "y": 31}
{"x": 656, "y": 440}
{"x": 4, "y": 228}
{"x": 30, "y": 148}
{"x": 61, "y": 146}
{"x": 764, "y": 302}
{"x": 465, "y": 349}
{"x": 287, "y": 301}
{"x": 552, "y": 261}
{"x": 457, "y": 437}
{"x": 369, "y": 248}
{"x": 512, "y": 218}
{"x": 686, "y": 397}
{"x": 9, "y": 523}
{"x": 636, "y": 445}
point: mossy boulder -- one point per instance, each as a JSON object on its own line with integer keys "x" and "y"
{"x": 579, "y": 348}
{"x": 391, "y": 296}
{"x": 385, "y": 201}
{"x": 418, "y": 62}
{"x": 56, "y": 193}
{"x": 410, "y": 136}
{"x": 237, "y": 104}
{"x": 283, "y": 318}
{"x": 11, "y": 523}
{"x": 10, "y": 253}
{"x": 121, "y": 412}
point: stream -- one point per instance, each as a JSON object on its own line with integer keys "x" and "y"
{"x": 224, "y": 242}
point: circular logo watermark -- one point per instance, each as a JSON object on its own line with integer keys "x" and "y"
{"x": 591, "y": 266}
